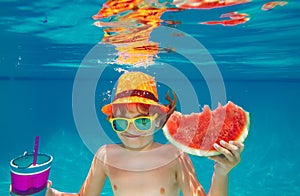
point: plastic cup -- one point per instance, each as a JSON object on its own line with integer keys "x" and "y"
{"x": 29, "y": 179}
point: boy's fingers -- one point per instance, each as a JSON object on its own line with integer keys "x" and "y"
{"x": 49, "y": 184}
{"x": 229, "y": 146}
{"x": 238, "y": 144}
{"x": 235, "y": 147}
{"x": 239, "y": 148}
{"x": 227, "y": 153}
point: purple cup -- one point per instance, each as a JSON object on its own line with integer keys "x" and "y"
{"x": 29, "y": 179}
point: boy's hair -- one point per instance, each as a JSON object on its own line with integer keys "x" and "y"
{"x": 146, "y": 109}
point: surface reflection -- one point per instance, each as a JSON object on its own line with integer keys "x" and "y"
{"x": 127, "y": 24}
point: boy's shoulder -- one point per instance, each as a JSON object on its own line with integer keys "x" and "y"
{"x": 119, "y": 157}
{"x": 158, "y": 149}
{"x": 163, "y": 155}
{"x": 105, "y": 149}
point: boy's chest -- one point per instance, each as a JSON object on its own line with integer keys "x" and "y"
{"x": 160, "y": 181}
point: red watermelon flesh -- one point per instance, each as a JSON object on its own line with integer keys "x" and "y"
{"x": 196, "y": 133}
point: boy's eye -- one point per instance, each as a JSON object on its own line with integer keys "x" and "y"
{"x": 144, "y": 121}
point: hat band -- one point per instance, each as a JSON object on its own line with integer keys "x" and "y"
{"x": 139, "y": 93}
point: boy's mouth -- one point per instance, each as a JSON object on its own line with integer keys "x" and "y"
{"x": 130, "y": 135}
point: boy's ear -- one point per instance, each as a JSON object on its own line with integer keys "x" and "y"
{"x": 158, "y": 124}
{"x": 160, "y": 121}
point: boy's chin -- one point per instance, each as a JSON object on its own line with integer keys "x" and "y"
{"x": 137, "y": 143}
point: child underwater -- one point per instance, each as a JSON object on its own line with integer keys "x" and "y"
{"x": 140, "y": 166}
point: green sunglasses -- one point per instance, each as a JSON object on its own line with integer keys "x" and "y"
{"x": 141, "y": 123}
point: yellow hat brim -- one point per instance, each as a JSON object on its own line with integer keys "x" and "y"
{"x": 107, "y": 109}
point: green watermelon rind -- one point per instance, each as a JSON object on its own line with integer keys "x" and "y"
{"x": 197, "y": 152}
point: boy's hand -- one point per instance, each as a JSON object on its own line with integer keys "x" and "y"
{"x": 49, "y": 189}
{"x": 229, "y": 158}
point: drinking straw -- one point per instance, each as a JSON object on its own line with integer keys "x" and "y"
{"x": 36, "y": 146}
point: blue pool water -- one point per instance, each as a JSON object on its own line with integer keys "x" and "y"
{"x": 44, "y": 44}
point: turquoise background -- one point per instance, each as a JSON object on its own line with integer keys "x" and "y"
{"x": 258, "y": 62}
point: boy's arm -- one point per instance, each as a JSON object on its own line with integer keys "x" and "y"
{"x": 229, "y": 158}
{"x": 219, "y": 185}
{"x": 186, "y": 177}
{"x": 93, "y": 183}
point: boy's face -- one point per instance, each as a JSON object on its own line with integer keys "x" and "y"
{"x": 133, "y": 138}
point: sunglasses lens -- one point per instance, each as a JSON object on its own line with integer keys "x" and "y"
{"x": 120, "y": 124}
{"x": 143, "y": 123}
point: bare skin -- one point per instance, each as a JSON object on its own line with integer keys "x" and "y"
{"x": 142, "y": 167}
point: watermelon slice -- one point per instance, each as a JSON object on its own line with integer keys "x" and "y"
{"x": 196, "y": 133}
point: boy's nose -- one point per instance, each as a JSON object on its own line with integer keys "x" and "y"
{"x": 131, "y": 126}
{"x": 132, "y": 129}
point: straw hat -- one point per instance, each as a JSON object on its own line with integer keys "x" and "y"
{"x": 135, "y": 87}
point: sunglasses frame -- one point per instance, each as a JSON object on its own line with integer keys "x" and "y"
{"x": 131, "y": 120}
